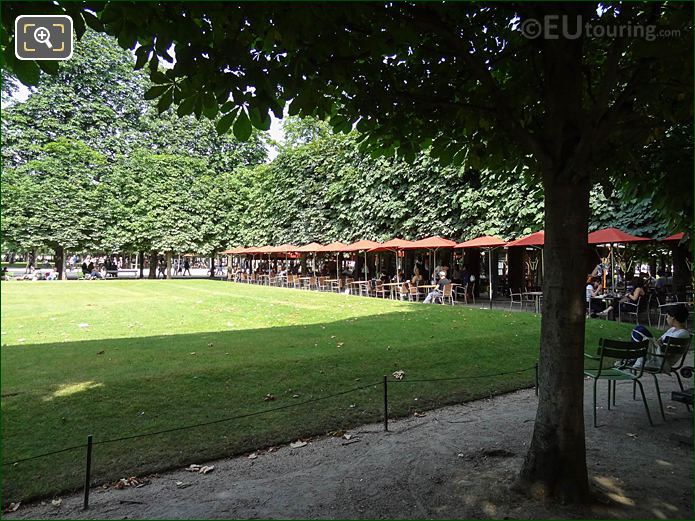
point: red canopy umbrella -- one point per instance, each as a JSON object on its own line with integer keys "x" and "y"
{"x": 363, "y": 245}
{"x": 312, "y": 247}
{"x": 488, "y": 242}
{"x": 675, "y": 237}
{"x": 431, "y": 244}
{"x": 394, "y": 245}
{"x": 613, "y": 236}
{"x": 535, "y": 239}
{"x": 309, "y": 248}
{"x": 336, "y": 247}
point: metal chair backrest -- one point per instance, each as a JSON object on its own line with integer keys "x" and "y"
{"x": 610, "y": 351}
{"x": 674, "y": 351}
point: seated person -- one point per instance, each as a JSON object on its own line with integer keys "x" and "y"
{"x": 631, "y": 298}
{"x": 676, "y": 318}
{"x": 95, "y": 274}
{"x": 439, "y": 290}
{"x": 594, "y": 288}
{"x": 5, "y": 274}
{"x": 417, "y": 278}
{"x": 52, "y": 275}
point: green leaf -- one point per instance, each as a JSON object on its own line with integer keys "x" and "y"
{"x": 165, "y": 101}
{"x": 158, "y": 77}
{"x": 156, "y": 91}
{"x": 48, "y": 66}
{"x": 258, "y": 121}
{"x": 225, "y": 122}
{"x": 27, "y": 72}
{"x": 242, "y": 127}
{"x": 186, "y": 107}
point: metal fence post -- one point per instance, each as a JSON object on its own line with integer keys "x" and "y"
{"x": 88, "y": 472}
{"x": 536, "y": 369}
{"x": 386, "y": 404}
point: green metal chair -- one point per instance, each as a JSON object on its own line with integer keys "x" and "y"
{"x": 669, "y": 361}
{"x": 609, "y": 352}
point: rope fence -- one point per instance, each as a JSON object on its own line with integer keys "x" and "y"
{"x": 90, "y": 442}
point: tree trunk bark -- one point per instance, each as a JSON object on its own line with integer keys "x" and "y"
{"x": 60, "y": 262}
{"x": 168, "y": 265}
{"x": 152, "y": 274}
{"x": 555, "y": 464}
{"x": 141, "y": 262}
{"x": 212, "y": 265}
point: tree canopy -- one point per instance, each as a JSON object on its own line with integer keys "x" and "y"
{"x": 462, "y": 79}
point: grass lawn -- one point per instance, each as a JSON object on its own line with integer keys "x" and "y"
{"x": 117, "y": 358}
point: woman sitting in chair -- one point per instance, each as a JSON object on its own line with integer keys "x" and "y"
{"x": 630, "y": 298}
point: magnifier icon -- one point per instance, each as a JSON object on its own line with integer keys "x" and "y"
{"x": 43, "y": 35}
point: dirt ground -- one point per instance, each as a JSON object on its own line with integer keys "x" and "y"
{"x": 456, "y": 462}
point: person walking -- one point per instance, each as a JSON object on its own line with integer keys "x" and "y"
{"x": 186, "y": 267}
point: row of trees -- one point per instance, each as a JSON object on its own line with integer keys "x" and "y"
{"x": 107, "y": 173}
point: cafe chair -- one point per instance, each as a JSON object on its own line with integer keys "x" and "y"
{"x": 668, "y": 361}
{"x": 603, "y": 367}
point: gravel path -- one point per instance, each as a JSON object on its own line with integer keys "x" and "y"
{"x": 456, "y": 462}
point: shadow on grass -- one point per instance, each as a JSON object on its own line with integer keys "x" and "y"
{"x": 56, "y": 394}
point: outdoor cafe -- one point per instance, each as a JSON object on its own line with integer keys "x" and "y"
{"x": 486, "y": 270}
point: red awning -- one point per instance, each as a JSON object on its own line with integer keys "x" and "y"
{"x": 333, "y": 247}
{"x": 535, "y": 239}
{"x": 393, "y": 245}
{"x": 284, "y": 248}
{"x": 362, "y": 245}
{"x": 486, "y": 241}
{"x": 431, "y": 243}
{"x": 674, "y": 237}
{"x": 613, "y": 235}
{"x": 309, "y": 248}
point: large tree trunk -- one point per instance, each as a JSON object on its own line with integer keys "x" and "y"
{"x": 212, "y": 265}
{"x": 556, "y": 461}
{"x": 153, "y": 265}
{"x": 60, "y": 261}
{"x": 141, "y": 262}
{"x": 169, "y": 255}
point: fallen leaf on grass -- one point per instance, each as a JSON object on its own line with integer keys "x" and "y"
{"x": 56, "y": 502}
{"x": 347, "y": 436}
{"x": 210, "y": 344}
{"x": 84, "y": 324}
{"x": 268, "y": 398}
{"x": 100, "y": 352}
{"x": 13, "y": 507}
{"x": 398, "y": 375}
{"x": 340, "y": 344}
{"x": 631, "y": 435}
{"x": 297, "y": 444}
{"x": 192, "y": 353}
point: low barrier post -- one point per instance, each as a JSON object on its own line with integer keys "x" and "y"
{"x": 88, "y": 472}
{"x": 386, "y": 404}
{"x": 536, "y": 370}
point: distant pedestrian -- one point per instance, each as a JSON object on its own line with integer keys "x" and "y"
{"x": 30, "y": 263}
{"x": 186, "y": 267}
{"x": 162, "y": 269}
